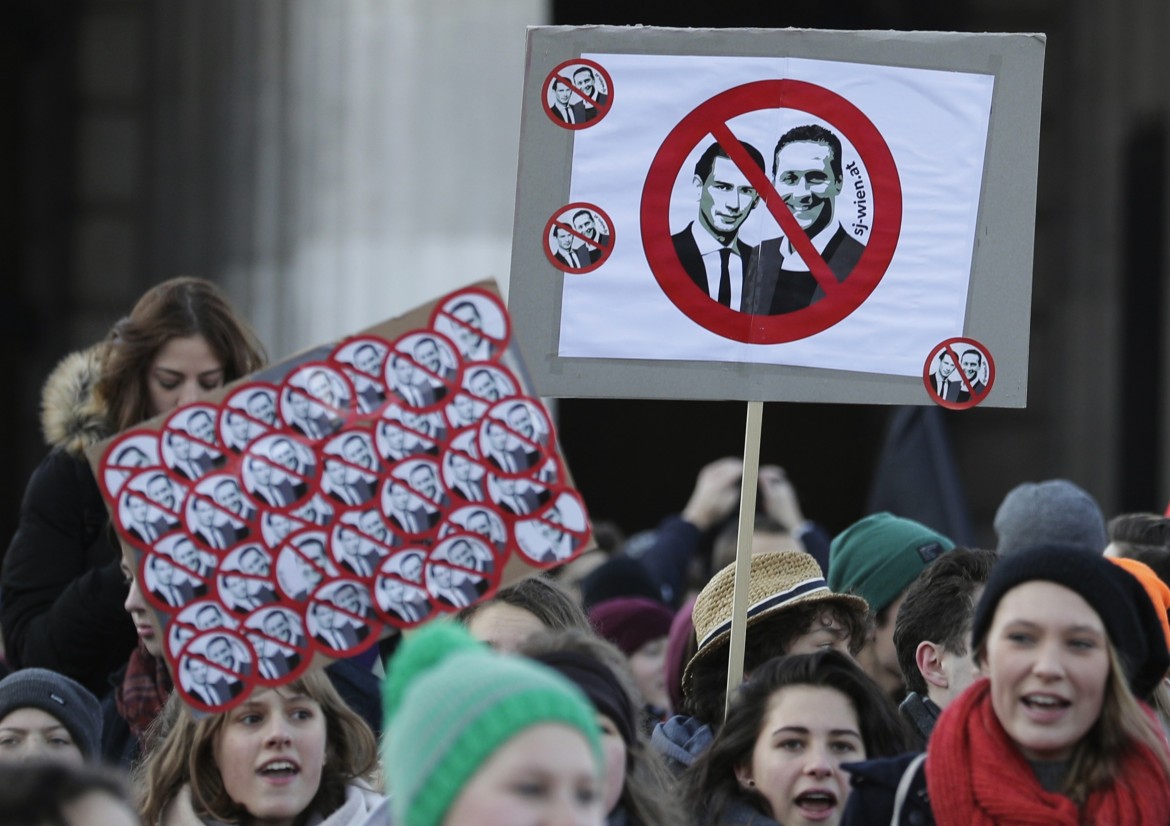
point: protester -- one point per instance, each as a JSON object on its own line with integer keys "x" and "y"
{"x": 62, "y": 794}
{"x": 681, "y": 645}
{"x": 62, "y": 590}
{"x": 877, "y": 558}
{"x": 520, "y": 610}
{"x": 639, "y": 789}
{"x": 639, "y": 628}
{"x": 1133, "y": 535}
{"x": 932, "y": 635}
{"x": 1056, "y": 733}
{"x": 682, "y": 550}
{"x": 778, "y": 756}
{"x": 791, "y": 610}
{"x": 476, "y": 738}
{"x": 295, "y": 753}
{"x": 47, "y": 716}
{"x": 1036, "y": 514}
{"x": 141, "y": 687}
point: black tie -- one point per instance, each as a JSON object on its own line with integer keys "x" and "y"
{"x": 724, "y": 277}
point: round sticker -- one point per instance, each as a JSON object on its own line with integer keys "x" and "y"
{"x": 578, "y": 238}
{"x": 577, "y": 94}
{"x": 477, "y": 323}
{"x": 958, "y": 373}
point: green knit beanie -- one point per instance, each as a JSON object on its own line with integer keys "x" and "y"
{"x": 877, "y": 557}
{"x": 450, "y": 702}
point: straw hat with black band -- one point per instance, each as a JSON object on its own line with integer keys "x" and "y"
{"x": 779, "y": 582}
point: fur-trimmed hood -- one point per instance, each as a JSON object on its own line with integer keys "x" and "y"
{"x": 72, "y": 417}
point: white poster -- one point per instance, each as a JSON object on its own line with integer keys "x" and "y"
{"x": 766, "y": 210}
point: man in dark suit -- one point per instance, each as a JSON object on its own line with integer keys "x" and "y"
{"x": 278, "y": 490}
{"x": 585, "y": 222}
{"x": 370, "y": 394}
{"x": 520, "y": 498}
{"x": 807, "y": 172}
{"x": 709, "y": 248}
{"x": 946, "y": 384}
{"x": 338, "y": 624}
{"x": 191, "y": 559}
{"x": 572, "y": 258}
{"x": 456, "y": 588}
{"x": 463, "y": 483}
{"x": 407, "y": 603}
{"x": 971, "y": 362}
{"x": 351, "y": 553}
{"x": 426, "y": 352}
{"x": 187, "y": 460}
{"x": 227, "y": 496}
{"x": 212, "y": 532}
{"x": 410, "y": 387}
{"x": 211, "y": 690}
{"x": 309, "y": 419}
{"x": 426, "y": 484}
{"x": 170, "y": 584}
{"x": 138, "y": 521}
{"x": 406, "y": 513}
{"x": 563, "y": 109}
{"x": 506, "y": 452}
{"x": 345, "y": 485}
{"x": 586, "y": 83}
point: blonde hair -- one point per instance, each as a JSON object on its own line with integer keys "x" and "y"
{"x": 1124, "y": 723}
{"x": 184, "y": 754}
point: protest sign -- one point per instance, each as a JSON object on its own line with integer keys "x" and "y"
{"x": 367, "y": 485}
{"x": 774, "y": 215}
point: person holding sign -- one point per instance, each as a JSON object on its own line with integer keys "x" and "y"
{"x": 709, "y": 248}
{"x": 792, "y": 611}
{"x": 807, "y": 172}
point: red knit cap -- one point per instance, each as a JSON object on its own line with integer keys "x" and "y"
{"x": 630, "y": 622}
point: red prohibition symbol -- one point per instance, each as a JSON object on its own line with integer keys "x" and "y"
{"x": 711, "y": 118}
{"x": 578, "y": 238}
{"x": 577, "y": 94}
{"x": 958, "y": 373}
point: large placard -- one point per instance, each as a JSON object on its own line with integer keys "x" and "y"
{"x": 819, "y": 211}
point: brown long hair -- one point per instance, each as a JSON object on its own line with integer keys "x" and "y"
{"x": 186, "y": 755}
{"x": 177, "y": 308}
{"x": 711, "y": 784}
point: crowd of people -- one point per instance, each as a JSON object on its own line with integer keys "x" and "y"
{"x": 889, "y": 676}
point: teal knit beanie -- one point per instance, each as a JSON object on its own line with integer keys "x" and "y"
{"x": 879, "y": 556}
{"x": 450, "y": 702}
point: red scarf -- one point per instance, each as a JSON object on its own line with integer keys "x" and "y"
{"x": 143, "y": 693}
{"x": 977, "y": 777}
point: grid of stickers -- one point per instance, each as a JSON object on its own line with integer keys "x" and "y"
{"x": 381, "y": 485}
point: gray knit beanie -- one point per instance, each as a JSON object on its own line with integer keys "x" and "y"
{"x": 59, "y": 697}
{"x": 1055, "y": 512}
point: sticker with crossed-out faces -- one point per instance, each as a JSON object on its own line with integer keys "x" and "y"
{"x": 214, "y": 669}
{"x": 553, "y": 534}
{"x": 340, "y": 618}
{"x": 247, "y": 413}
{"x": 399, "y": 596}
{"x": 363, "y": 359}
{"x": 277, "y": 635}
{"x": 197, "y": 617}
{"x": 131, "y": 452}
{"x": 476, "y": 322}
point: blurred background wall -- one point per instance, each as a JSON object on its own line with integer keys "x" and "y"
{"x": 334, "y": 162}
